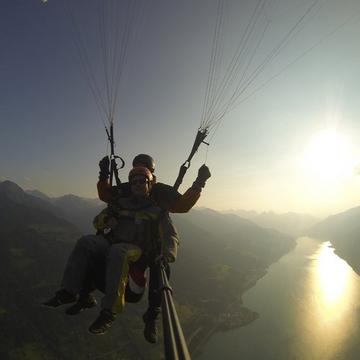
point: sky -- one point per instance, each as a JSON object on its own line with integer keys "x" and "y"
{"x": 293, "y": 145}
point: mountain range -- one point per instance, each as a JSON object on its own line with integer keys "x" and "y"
{"x": 77, "y": 210}
{"x": 220, "y": 257}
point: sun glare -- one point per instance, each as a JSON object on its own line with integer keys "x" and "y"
{"x": 332, "y": 293}
{"x": 332, "y": 274}
{"x": 328, "y": 157}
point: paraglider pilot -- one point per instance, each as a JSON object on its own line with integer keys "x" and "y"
{"x": 134, "y": 222}
{"x": 167, "y": 198}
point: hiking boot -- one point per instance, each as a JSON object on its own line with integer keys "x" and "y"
{"x": 84, "y": 302}
{"x": 104, "y": 321}
{"x": 61, "y": 297}
{"x": 150, "y": 330}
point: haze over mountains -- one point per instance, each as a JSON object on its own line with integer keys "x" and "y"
{"x": 220, "y": 257}
{"x": 73, "y": 208}
{"x": 291, "y": 223}
{"x": 342, "y": 230}
{"x": 80, "y": 211}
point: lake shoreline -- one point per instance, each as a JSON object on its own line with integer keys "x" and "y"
{"x": 237, "y": 317}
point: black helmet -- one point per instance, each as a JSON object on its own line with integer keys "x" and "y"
{"x": 145, "y": 160}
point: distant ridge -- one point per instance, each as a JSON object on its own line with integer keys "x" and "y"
{"x": 77, "y": 210}
{"x": 15, "y": 193}
{"x": 290, "y": 223}
{"x": 20, "y": 212}
{"x": 346, "y": 222}
{"x": 343, "y": 231}
{"x": 38, "y": 194}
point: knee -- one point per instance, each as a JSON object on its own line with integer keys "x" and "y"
{"x": 125, "y": 251}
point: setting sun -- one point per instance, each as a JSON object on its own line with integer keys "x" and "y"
{"x": 328, "y": 157}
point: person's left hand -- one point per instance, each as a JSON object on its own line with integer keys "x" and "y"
{"x": 203, "y": 175}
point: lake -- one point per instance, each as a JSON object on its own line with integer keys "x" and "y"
{"x": 309, "y": 307}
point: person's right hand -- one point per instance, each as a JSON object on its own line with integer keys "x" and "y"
{"x": 104, "y": 163}
{"x": 104, "y": 166}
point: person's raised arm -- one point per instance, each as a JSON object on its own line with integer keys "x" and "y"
{"x": 186, "y": 201}
{"x": 103, "y": 185}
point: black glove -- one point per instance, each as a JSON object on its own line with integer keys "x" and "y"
{"x": 203, "y": 175}
{"x": 104, "y": 166}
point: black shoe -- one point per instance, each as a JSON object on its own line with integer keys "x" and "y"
{"x": 61, "y": 297}
{"x": 150, "y": 330}
{"x": 104, "y": 321}
{"x": 84, "y": 302}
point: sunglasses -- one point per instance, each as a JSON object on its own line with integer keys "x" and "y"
{"x": 139, "y": 181}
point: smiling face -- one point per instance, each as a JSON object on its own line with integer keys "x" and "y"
{"x": 140, "y": 186}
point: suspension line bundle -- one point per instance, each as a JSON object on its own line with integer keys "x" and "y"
{"x": 231, "y": 82}
{"x": 102, "y": 32}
